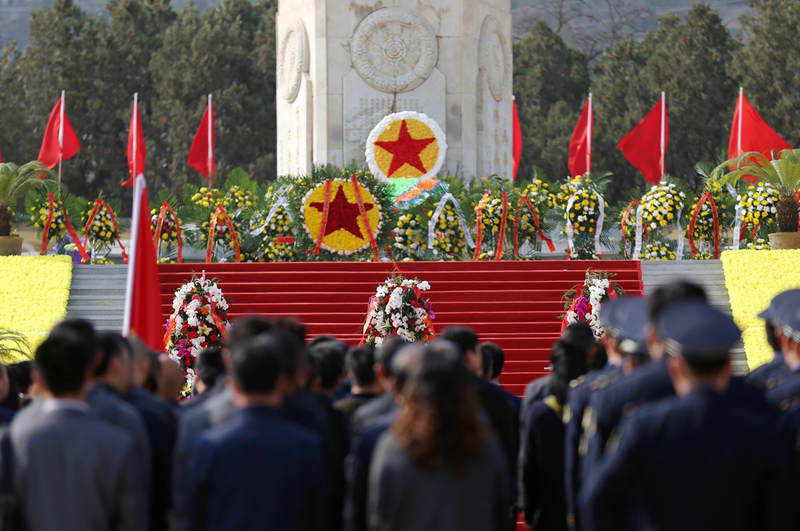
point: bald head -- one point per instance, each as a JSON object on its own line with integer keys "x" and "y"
{"x": 171, "y": 379}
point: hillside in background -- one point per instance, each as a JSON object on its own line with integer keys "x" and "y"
{"x": 587, "y": 24}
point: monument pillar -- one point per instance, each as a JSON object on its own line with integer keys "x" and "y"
{"x": 342, "y": 67}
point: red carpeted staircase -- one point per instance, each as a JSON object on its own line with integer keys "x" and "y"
{"x": 514, "y": 304}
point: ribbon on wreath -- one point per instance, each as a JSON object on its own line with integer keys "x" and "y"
{"x": 479, "y": 222}
{"x": 625, "y": 216}
{"x": 737, "y": 227}
{"x": 638, "y": 246}
{"x": 679, "y": 252}
{"x": 461, "y": 220}
{"x": 220, "y": 212}
{"x": 501, "y": 239}
{"x": 160, "y": 226}
{"x": 693, "y": 223}
{"x": 281, "y": 202}
{"x": 376, "y": 253}
{"x": 98, "y": 204}
{"x": 326, "y": 208}
{"x": 372, "y": 306}
{"x": 578, "y": 295}
{"x": 524, "y": 200}
{"x": 51, "y": 209}
{"x": 285, "y": 239}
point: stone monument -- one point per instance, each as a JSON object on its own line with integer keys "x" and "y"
{"x": 343, "y": 65}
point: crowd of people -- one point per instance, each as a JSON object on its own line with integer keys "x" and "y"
{"x": 647, "y": 428}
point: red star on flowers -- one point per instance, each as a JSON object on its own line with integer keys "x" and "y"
{"x": 405, "y": 150}
{"x": 343, "y": 214}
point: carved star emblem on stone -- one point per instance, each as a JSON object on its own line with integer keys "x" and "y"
{"x": 343, "y": 214}
{"x": 405, "y": 150}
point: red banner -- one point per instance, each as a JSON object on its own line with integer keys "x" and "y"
{"x": 323, "y": 224}
{"x": 525, "y": 200}
{"x": 375, "y": 250}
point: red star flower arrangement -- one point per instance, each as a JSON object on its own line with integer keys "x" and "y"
{"x": 406, "y": 145}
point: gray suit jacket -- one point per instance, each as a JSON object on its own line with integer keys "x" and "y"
{"x": 76, "y": 472}
{"x": 539, "y": 389}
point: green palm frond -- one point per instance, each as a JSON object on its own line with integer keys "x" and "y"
{"x": 13, "y": 346}
{"x": 16, "y": 181}
{"x": 782, "y": 173}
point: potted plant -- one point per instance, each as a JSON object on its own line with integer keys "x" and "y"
{"x": 783, "y": 174}
{"x": 15, "y": 182}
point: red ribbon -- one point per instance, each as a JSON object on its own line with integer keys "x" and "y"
{"x": 479, "y": 220}
{"x": 70, "y": 230}
{"x": 220, "y": 212}
{"x": 363, "y": 211}
{"x": 285, "y": 239}
{"x": 326, "y": 208}
{"x": 503, "y": 224}
{"x": 693, "y": 222}
{"x": 160, "y": 225}
{"x": 98, "y": 204}
{"x": 524, "y": 199}
{"x": 578, "y": 294}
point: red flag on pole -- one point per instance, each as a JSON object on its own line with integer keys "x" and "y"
{"x": 201, "y": 154}
{"x": 646, "y": 144}
{"x": 143, "y": 293}
{"x": 136, "y": 151}
{"x": 580, "y": 147}
{"x": 60, "y": 141}
{"x": 1, "y": 157}
{"x": 516, "y": 137}
{"x": 751, "y": 133}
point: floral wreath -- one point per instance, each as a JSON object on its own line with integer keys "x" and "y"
{"x": 408, "y": 140}
{"x": 348, "y": 203}
{"x": 659, "y": 207}
{"x": 583, "y": 301}
{"x": 756, "y": 208}
{"x": 399, "y": 309}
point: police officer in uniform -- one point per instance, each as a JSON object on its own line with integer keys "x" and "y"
{"x": 775, "y": 372}
{"x": 624, "y": 322}
{"x": 697, "y": 460}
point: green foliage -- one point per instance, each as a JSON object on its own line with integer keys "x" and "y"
{"x": 782, "y": 173}
{"x": 16, "y": 181}
{"x": 14, "y": 346}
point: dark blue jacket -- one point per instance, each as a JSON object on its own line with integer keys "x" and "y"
{"x": 770, "y": 374}
{"x": 694, "y": 462}
{"x": 786, "y": 394}
{"x": 256, "y": 471}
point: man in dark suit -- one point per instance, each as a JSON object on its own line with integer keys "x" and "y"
{"x": 359, "y": 363}
{"x": 624, "y": 321}
{"x": 257, "y": 471}
{"x": 774, "y": 372}
{"x": 670, "y": 465}
{"x": 498, "y": 357}
{"x": 75, "y": 471}
{"x": 383, "y": 404}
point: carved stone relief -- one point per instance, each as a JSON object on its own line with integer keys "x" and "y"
{"x": 394, "y": 49}
{"x": 495, "y": 58}
{"x": 292, "y": 59}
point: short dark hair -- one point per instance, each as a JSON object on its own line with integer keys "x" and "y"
{"x": 85, "y": 332}
{"x": 63, "y": 360}
{"x": 769, "y": 329}
{"x": 209, "y": 366}
{"x": 21, "y": 372}
{"x": 600, "y": 357}
{"x": 580, "y": 334}
{"x": 256, "y": 363}
{"x": 706, "y": 367}
{"x": 328, "y": 359}
{"x": 486, "y": 363}
{"x": 316, "y": 340}
{"x": 498, "y": 358}
{"x": 569, "y": 362}
{"x": 292, "y": 326}
{"x": 669, "y": 294}
{"x": 153, "y": 372}
{"x": 464, "y": 338}
{"x": 247, "y": 327}
{"x": 360, "y": 363}
{"x": 384, "y": 354}
{"x": 112, "y": 345}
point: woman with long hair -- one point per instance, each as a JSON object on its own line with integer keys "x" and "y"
{"x": 439, "y": 468}
{"x": 541, "y": 458}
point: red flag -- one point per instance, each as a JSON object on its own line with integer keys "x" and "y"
{"x": 580, "y": 147}
{"x": 646, "y": 144}
{"x": 516, "y": 138}
{"x": 143, "y": 294}
{"x": 201, "y": 154}
{"x": 1, "y": 157}
{"x": 751, "y": 133}
{"x": 60, "y": 141}
{"x": 136, "y": 151}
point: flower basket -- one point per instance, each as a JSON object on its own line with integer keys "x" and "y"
{"x": 399, "y": 309}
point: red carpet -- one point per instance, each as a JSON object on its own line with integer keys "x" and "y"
{"x": 515, "y": 304}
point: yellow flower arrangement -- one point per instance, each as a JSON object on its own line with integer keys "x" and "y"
{"x": 101, "y": 233}
{"x": 169, "y": 229}
{"x": 34, "y": 294}
{"x": 753, "y": 278}
{"x": 345, "y": 232}
{"x": 759, "y": 245}
{"x": 541, "y": 199}
{"x": 409, "y": 238}
{"x": 759, "y": 204}
{"x": 661, "y": 206}
{"x": 58, "y": 227}
{"x": 276, "y": 238}
{"x": 657, "y": 251}
{"x": 704, "y": 227}
{"x": 448, "y": 243}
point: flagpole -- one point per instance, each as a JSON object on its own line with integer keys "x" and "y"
{"x": 739, "y": 124}
{"x": 663, "y": 116}
{"x": 133, "y": 125}
{"x": 589, "y": 137}
{"x": 61, "y": 136}
{"x": 138, "y": 184}
{"x": 210, "y": 146}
